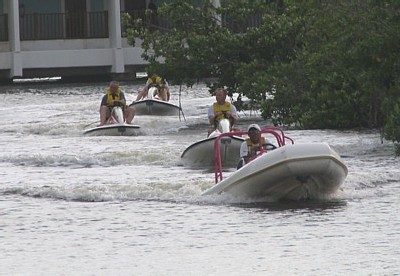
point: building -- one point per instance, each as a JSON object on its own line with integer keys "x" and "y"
{"x": 67, "y": 38}
{"x": 70, "y": 38}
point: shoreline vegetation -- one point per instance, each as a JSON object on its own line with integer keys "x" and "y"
{"x": 324, "y": 64}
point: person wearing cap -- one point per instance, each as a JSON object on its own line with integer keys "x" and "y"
{"x": 252, "y": 145}
{"x": 161, "y": 85}
{"x": 221, "y": 109}
{"x": 114, "y": 97}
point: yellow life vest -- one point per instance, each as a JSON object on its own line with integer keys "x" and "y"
{"x": 158, "y": 81}
{"x": 253, "y": 148}
{"x": 111, "y": 97}
{"x": 224, "y": 108}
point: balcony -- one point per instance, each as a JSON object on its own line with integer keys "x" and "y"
{"x": 86, "y": 25}
{"x": 80, "y": 25}
{"x": 83, "y": 25}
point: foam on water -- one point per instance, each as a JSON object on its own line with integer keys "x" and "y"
{"x": 72, "y": 204}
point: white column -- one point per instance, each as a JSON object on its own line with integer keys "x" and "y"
{"x": 114, "y": 23}
{"x": 14, "y": 39}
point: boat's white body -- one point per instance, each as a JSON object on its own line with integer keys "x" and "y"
{"x": 201, "y": 153}
{"x": 294, "y": 172}
{"x": 154, "y": 106}
{"x": 114, "y": 130}
{"x": 116, "y": 126}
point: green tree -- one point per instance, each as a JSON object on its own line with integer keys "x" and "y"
{"x": 317, "y": 64}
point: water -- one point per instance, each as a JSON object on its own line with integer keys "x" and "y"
{"x": 75, "y": 205}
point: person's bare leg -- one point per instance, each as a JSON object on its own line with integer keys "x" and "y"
{"x": 163, "y": 94}
{"x": 142, "y": 94}
{"x": 104, "y": 114}
{"x": 129, "y": 114}
{"x": 139, "y": 96}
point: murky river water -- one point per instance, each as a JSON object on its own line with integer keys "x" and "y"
{"x": 76, "y": 205}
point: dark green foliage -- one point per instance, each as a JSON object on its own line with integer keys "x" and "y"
{"x": 316, "y": 64}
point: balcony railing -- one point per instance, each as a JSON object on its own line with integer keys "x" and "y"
{"x": 84, "y": 25}
{"x": 151, "y": 21}
{"x": 64, "y": 25}
{"x": 241, "y": 26}
{"x": 46, "y": 26}
{"x": 3, "y": 27}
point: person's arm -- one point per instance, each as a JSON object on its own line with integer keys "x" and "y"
{"x": 233, "y": 113}
{"x": 148, "y": 84}
{"x": 168, "y": 94}
{"x": 211, "y": 115}
{"x": 244, "y": 151}
{"x": 104, "y": 101}
{"x": 123, "y": 99}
